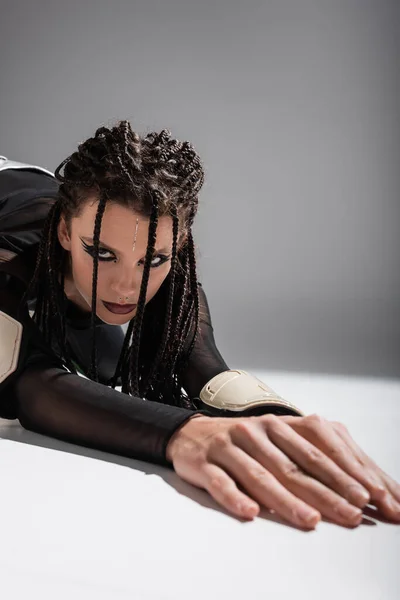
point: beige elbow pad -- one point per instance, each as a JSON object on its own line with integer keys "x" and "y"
{"x": 10, "y": 344}
{"x": 238, "y": 391}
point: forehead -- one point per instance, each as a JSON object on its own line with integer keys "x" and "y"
{"x": 120, "y": 222}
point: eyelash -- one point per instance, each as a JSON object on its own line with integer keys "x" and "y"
{"x": 90, "y": 250}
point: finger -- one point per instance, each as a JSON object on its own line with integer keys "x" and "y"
{"x": 392, "y": 485}
{"x": 315, "y": 462}
{"x": 255, "y": 443}
{"x": 386, "y": 492}
{"x": 265, "y": 489}
{"x": 322, "y": 435}
{"x": 389, "y": 507}
{"x": 226, "y": 493}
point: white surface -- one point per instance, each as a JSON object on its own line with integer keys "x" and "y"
{"x": 84, "y": 524}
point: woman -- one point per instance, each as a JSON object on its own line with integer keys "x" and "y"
{"x": 108, "y": 242}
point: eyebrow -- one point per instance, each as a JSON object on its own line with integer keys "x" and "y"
{"x": 156, "y": 251}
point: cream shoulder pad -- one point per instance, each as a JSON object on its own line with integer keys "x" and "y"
{"x": 238, "y": 390}
{"x": 10, "y": 344}
{"x": 6, "y": 163}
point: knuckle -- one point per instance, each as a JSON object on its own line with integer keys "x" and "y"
{"x": 258, "y": 476}
{"x": 217, "y": 483}
{"x": 242, "y": 427}
{"x": 315, "y": 422}
{"x": 314, "y": 457}
{"x": 220, "y": 440}
{"x": 269, "y": 418}
{"x": 363, "y": 463}
{"x": 199, "y": 460}
{"x": 291, "y": 471}
{"x": 338, "y": 454}
{"x": 245, "y": 429}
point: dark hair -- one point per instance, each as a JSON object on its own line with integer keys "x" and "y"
{"x": 155, "y": 175}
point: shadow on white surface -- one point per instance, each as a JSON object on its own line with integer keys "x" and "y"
{"x": 13, "y": 431}
{"x": 102, "y": 530}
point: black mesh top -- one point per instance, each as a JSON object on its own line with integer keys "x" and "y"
{"x": 42, "y": 393}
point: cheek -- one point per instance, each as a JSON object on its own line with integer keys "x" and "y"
{"x": 155, "y": 282}
{"x": 156, "y": 279}
{"x": 82, "y": 270}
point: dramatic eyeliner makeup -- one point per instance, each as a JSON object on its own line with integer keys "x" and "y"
{"x": 163, "y": 258}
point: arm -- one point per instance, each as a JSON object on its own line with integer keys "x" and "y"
{"x": 205, "y": 360}
{"x": 48, "y": 399}
{"x": 54, "y": 402}
{"x": 225, "y": 392}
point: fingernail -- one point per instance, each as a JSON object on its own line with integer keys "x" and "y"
{"x": 246, "y": 508}
{"x": 364, "y": 496}
{"x": 346, "y": 511}
{"x": 306, "y": 515}
{"x": 359, "y": 495}
{"x": 377, "y": 487}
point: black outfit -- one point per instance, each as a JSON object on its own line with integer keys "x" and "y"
{"x": 42, "y": 393}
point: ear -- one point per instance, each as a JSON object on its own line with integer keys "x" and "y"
{"x": 63, "y": 235}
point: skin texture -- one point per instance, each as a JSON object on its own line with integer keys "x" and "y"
{"x": 302, "y": 468}
{"x": 119, "y": 278}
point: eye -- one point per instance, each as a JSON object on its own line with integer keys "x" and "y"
{"x": 90, "y": 250}
{"x": 161, "y": 258}
{"x": 103, "y": 251}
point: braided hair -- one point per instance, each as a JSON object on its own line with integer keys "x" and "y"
{"x": 155, "y": 175}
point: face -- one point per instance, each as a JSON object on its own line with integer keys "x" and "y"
{"x": 120, "y": 267}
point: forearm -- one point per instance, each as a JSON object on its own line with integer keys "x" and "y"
{"x": 59, "y": 404}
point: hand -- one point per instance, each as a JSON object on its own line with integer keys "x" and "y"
{"x": 335, "y": 441}
{"x": 265, "y": 456}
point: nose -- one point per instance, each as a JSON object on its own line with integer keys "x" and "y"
{"x": 127, "y": 282}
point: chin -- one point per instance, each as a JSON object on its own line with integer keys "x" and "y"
{"x": 113, "y": 319}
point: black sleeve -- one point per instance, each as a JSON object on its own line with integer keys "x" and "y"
{"x": 48, "y": 399}
{"x": 205, "y": 359}
{"x": 205, "y": 362}
{"x": 54, "y": 402}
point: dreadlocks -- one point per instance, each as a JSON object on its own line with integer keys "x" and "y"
{"x": 155, "y": 175}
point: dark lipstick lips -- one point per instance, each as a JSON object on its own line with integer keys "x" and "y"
{"x": 119, "y": 309}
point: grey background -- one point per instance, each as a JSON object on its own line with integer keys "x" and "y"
{"x": 294, "y": 109}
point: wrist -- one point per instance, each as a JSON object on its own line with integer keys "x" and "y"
{"x": 177, "y": 436}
